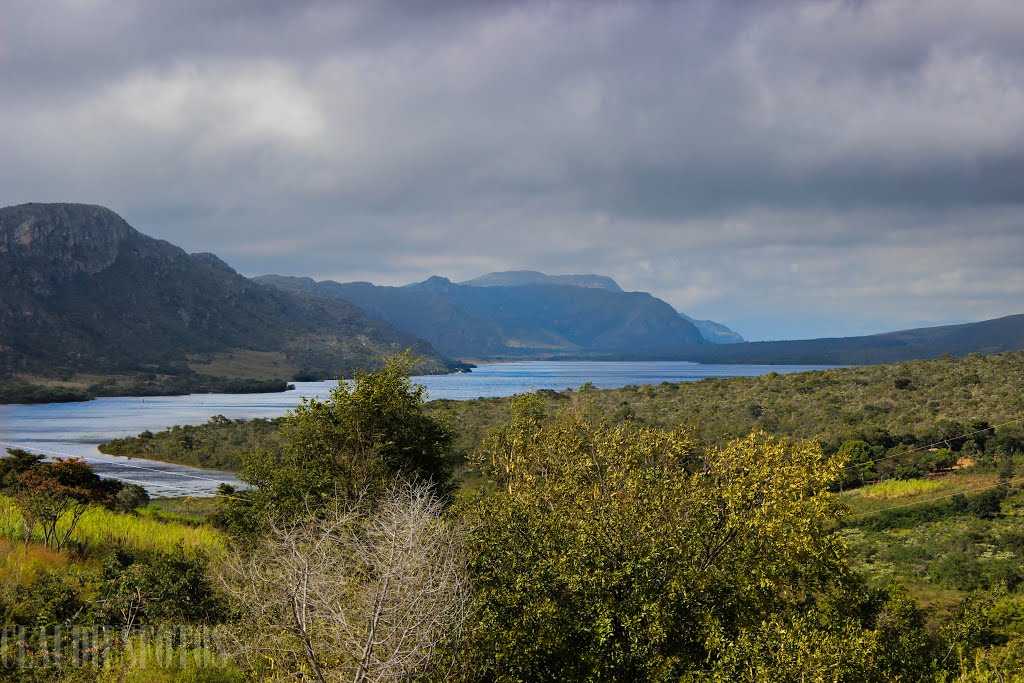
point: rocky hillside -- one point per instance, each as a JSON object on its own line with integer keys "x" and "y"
{"x": 716, "y": 333}
{"x": 83, "y": 291}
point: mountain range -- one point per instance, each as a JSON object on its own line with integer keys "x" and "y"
{"x": 85, "y": 295}
{"x": 526, "y": 314}
{"x": 84, "y": 292}
{"x": 713, "y": 332}
{"x": 986, "y": 337}
{"x": 518, "y": 315}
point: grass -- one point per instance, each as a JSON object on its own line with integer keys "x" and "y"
{"x": 76, "y": 381}
{"x": 20, "y": 563}
{"x": 245, "y": 365}
{"x": 941, "y": 555}
{"x": 99, "y": 527}
{"x": 186, "y": 509}
{"x": 895, "y": 489}
{"x": 878, "y": 497}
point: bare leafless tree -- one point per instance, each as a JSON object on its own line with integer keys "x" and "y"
{"x": 365, "y": 593}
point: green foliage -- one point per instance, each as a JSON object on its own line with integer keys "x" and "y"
{"x": 627, "y": 553}
{"x": 149, "y": 587}
{"x": 364, "y": 434}
{"x": 141, "y": 384}
{"x": 53, "y": 599}
{"x": 218, "y": 444}
{"x": 859, "y": 458}
{"x": 13, "y": 391}
{"x": 130, "y": 498}
{"x": 833, "y": 406}
{"x": 858, "y": 636}
{"x": 184, "y": 383}
{"x": 14, "y": 464}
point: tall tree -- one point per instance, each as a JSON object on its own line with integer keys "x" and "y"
{"x": 54, "y": 495}
{"x": 629, "y": 553}
{"x": 367, "y": 432}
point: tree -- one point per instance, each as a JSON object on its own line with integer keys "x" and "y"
{"x": 366, "y": 433}
{"x": 859, "y": 458}
{"x": 54, "y": 496}
{"x": 368, "y": 593}
{"x": 630, "y": 553}
{"x": 129, "y": 498}
{"x": 14, "y": 463}
{"x": 856, "y": 635}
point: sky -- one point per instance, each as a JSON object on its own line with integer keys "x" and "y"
{"x": 792, "y": 169}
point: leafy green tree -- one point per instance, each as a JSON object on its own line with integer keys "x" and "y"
{"x": 366, "y": 433}
{"x": 54, "y": 496}
{"x": 859, "y": 457}
{"x": 147, "y": 587}
{"x": 629, "y": 553}
{"x": 129, "y": 498}
{"x": 988, "y": 504}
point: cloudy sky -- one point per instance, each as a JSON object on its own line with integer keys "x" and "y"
{"x": 791, "y": 169}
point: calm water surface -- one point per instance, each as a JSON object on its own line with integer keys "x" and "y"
{"x": 78, "y": 428}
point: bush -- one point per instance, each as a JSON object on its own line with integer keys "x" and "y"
{"x": 958, "y": 570}
{"x": 988, "y": 504}
{"x": 130, "y": 498}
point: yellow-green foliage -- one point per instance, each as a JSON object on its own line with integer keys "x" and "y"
{"x": 891, "y": 493}
{"x": 101, "y": 527}
{"x": 903, "y": 398}
{"x": 895, "y": 488}
{"x": 150, "y": 660}
{"x": 628, "y": 552}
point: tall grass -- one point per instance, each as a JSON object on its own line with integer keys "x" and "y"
{"x": 99, "y": 527}
{"x": 20, "y": 563}
{"x": 894, "y": 492}
{"x": 894, "y": 489}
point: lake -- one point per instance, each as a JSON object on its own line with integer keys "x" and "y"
{"x": 76, "y": 429}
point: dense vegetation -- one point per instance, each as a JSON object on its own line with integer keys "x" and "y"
{"x": 892, "y": 408}
{"x": 149, "y": 384}
{"x": 218, "y": 444}
{"x": 14, "y": 391}
{"x": 776, "y": 534}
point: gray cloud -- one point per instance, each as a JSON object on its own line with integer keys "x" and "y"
{"x": 789, "y": 168}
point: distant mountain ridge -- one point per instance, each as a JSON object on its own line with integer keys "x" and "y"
{"x": 518, "y": 278}
{"x": 534, "y": 319}
{"x": 986, "y": 337}
{"x": 430, "y": 305}
{"x": 83, "y": 291}
{"x": 716, "y": 333}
